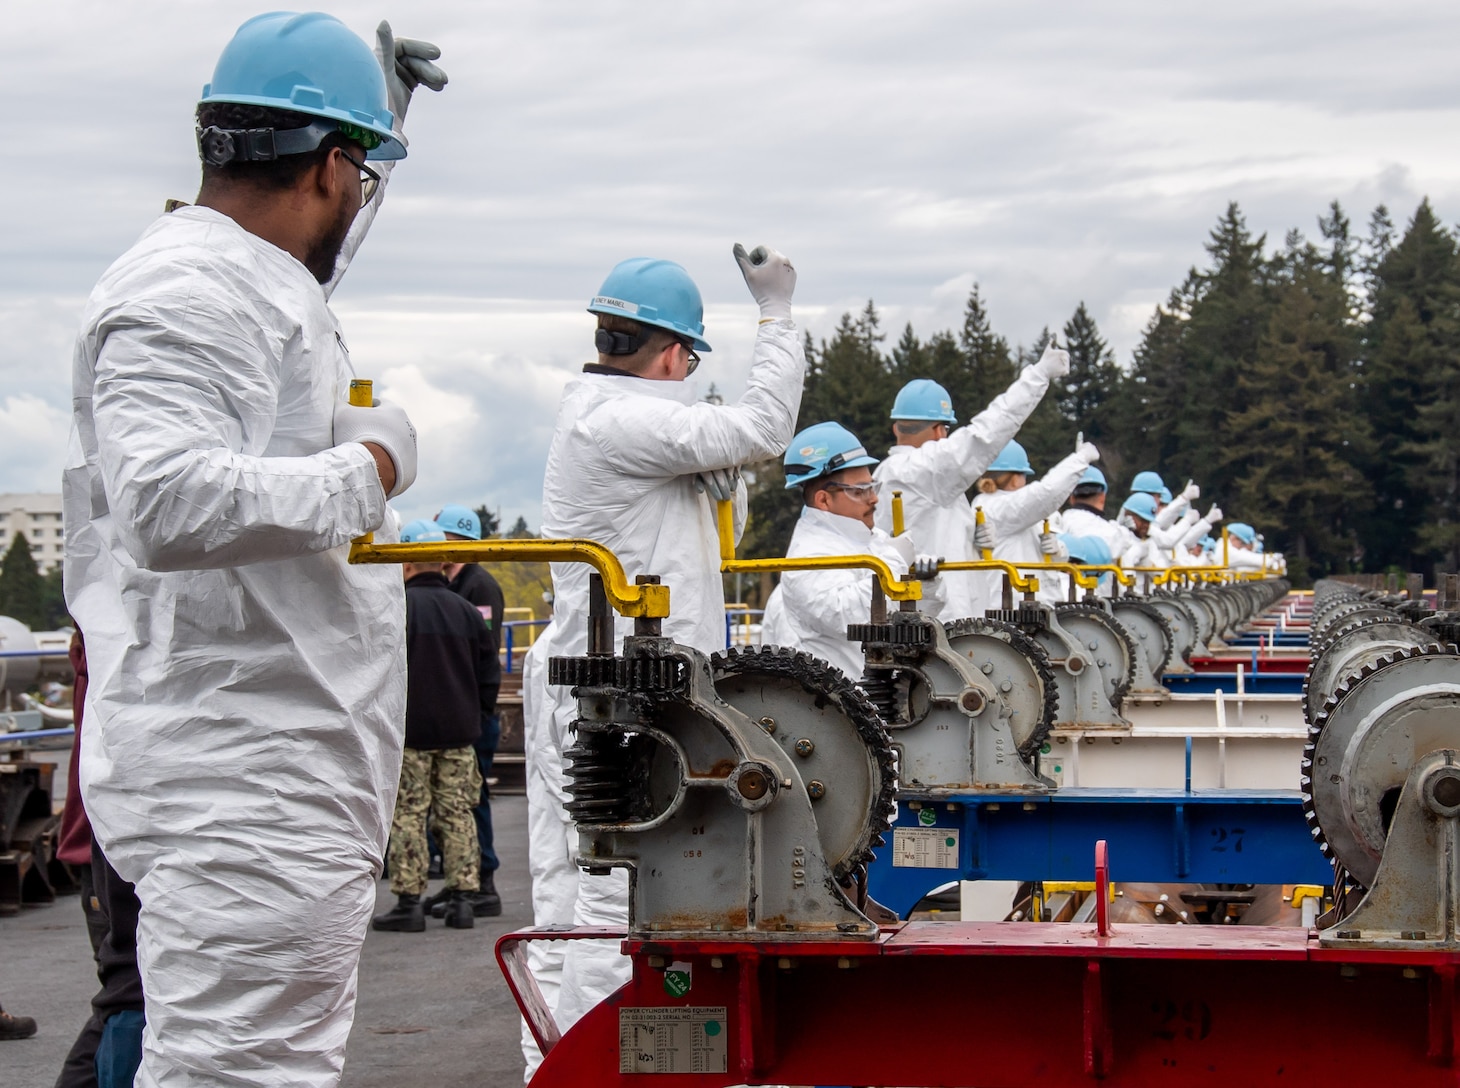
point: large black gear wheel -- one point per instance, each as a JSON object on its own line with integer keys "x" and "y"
{"x": 1121, "y": 687}
{"x": 1313, "y": 700}
{"x": 1033, "y": 716}
{"x": 1359, "y": 868}
{"x": 636, "y": 674}
{"x": 807, "y": 699}
{"x": 898, "y": 634}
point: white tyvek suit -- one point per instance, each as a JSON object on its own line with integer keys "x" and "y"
{"x": 810, "y": 609}
{"x": 933, "y": 478}
{"x": 1017, "y": 518}
{"x": 245, "y": 714}
{"x": 621, "y": 471}
{"x": 1085, "y": 521}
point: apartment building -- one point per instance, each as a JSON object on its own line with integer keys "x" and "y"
{"x": 39, "y": 518}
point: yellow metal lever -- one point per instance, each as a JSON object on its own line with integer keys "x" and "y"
{"x": 898, "y": 525}
{"x": 362, "y": 395}
{"x": 909, "y": 590}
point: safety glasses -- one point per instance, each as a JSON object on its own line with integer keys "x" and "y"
{"x": 694, "y": 359}
{"x": 860, "y": 492}
{"x": 369, "y": 179}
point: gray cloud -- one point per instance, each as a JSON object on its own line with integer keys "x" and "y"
{"x": 1052, "y": 152}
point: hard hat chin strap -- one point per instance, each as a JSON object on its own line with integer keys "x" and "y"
{"x": 611, "y": 342}
{"x": 221, "y": 146}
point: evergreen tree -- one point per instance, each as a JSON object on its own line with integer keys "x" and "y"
{"x": 21, "y": 591}
{"x": 519, "y": 530}
{"x": 1086, "y": 396}
{"x": 989, "y": 363}
{"x": 1047, "y": 436}
{"x": 54, "y": 614}
{"x": 1298, "y": 442}
{"x": 491, "y": 523}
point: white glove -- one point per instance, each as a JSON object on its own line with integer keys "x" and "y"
{"x": 925, "y": 568}
{"x": 1087, "y": 452}
{"x": 406, "y": 63}
{"x": 1191, "y": 492}
{"x": 388, "y": 426}
{"x": 1053, "y": 548}
{"x": 771, "y": 279}
{"x": 1214, "y": 515}
{"x": 1054, "y": 363}
{"x": 719, "y": 482}
{"x": 983, "y": 538}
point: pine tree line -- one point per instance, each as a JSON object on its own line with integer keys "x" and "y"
{"x": 1313, "y": 391}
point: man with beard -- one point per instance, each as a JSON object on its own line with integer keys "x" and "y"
{"x": 247, "y": 685}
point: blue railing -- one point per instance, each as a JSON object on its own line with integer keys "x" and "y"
{"x": 507, "y": 638}
{"x": 741, "y": 618}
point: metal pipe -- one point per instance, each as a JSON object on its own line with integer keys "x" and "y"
{"x": 897, "y": 521}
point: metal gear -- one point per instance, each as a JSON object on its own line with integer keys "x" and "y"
{"x": 1117, "y": 679}
{"x": 637, "y": 674}
{"x": 835, "y": 734}
{"x": 898, "y": 634}
{"x": 1338, "y": 658}
{"x": 1362, "y": 743}
{"x": 1009, "y": 656}
{"x": 1157, "y": 657}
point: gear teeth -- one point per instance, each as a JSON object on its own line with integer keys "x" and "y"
{"x": 1032, "y": 652}
{"x": 1122, "y": 688}
{"x": 825, "y": 681}
{"x": 1137, "y": 605}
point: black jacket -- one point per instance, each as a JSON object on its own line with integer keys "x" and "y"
{"x": 452, "y": 673}
{"x": 482, "y": 590}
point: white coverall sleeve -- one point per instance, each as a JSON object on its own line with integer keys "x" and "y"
{"x": 669, "y": 439}
{"x": 1018, "y": 510}
{"x": 949, "y": 468}
{"x": 364, "y": 219}
{"x": 174, "y": 401}
{"x": 1170, "y": 536}
{"x": 1171, "y": 511}
{"x": 1199, "y": 529}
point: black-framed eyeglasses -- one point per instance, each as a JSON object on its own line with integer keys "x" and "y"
{"x": 694, "y": 359}
{"x": 369, "y": 179}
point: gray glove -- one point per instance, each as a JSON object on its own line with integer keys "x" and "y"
{"x": 1053, "y": 548}
{"x": 925, "y": 568}
{"x": 406, "y": 63}
{"x": 983, "y": 538}
{"x": 771, "y": 279}
{"x": 1054, "y": 363}
{"x": 388, "y": 426}
{"x": 719, "y": 482}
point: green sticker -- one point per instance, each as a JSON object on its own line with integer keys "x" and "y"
{"x": 927, "y": 817}
{"x": 950, "y": 841}
{"x": 712, "y": 1027}
{"x": 677, "y": 979}
{"x": 1044, "y": 749}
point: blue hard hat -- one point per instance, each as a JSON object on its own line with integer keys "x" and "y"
{"x": 1242, "y": 531}
{"x": 654, "y": 292}
{"x": 1012, "y": 458}
{"x": 461, "y": 521}
{"x": 1142, "y": 505}
{"x": 1149, "y": 482}
{"x": 1088, "y": 550}
{"x": 820, "y": 450}
{"x": 311, "y": 64}
{"x": 1092, "y": 475}
{"x": 923, "y": 398}
{"x": 1165, "y": 495}
{"x": 421, "y": 531}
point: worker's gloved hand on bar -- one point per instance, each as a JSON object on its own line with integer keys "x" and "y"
{"x": 983, "y": 537}
{"x": 719, "y": 483}
{"x": 771, "y": 279}
{"x": 925, "y": 568}
{"x": 407, "y": 63}
{"x": 387, "y": 426}
{"x": 1053, "y": 548}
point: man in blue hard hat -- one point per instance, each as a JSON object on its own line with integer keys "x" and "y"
{"x": 635, "y": 464}
{"x": 810, "y": 609}
{"x": 473, "y": 582}
{"x": 247, "y": 684}
{"x": 934, "y": 466}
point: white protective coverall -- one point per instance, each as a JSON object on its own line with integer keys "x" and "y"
{"x": 1086, "y": 521}
{"x": 810, "y": 609}
{"x": 934, "y": 477}
{"x": 621, "y": 471}
{"x": 246, "y": 710}
{"x": 1017, "y": 519}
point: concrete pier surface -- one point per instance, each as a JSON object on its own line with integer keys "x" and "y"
{"x": 433, "y": 1007}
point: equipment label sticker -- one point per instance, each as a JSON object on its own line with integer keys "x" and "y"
{"x": 925, "y": 847}
{"x": 672, "y": 1040}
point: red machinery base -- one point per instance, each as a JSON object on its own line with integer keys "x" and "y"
{"x": 1006, "y": 1004}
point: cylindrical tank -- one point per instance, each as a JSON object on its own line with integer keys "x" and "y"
{"x": 18, "y": 674}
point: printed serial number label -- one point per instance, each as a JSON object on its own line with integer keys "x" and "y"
{"x": 672, "y": 1040}
{"x": 925, "y": 847}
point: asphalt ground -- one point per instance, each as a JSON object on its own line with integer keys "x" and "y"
{"x": 433, "y": 1007}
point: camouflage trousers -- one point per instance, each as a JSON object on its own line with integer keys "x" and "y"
{"x": 446, "y": 783}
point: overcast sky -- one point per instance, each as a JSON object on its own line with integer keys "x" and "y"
{"x": 899, "y": 152}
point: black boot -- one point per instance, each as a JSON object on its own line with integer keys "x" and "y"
{"x": 458, "y": 912}
{"x": 485, "y": 903}
{"x": 16, "y": 1027}
{"x": 407, "y": 916}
